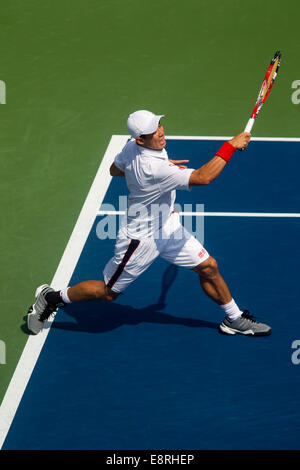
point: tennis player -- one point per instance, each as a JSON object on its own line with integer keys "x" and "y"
{"x": 152, "y": 228}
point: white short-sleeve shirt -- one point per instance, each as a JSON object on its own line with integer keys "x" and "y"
{"x": 152, "y": 181}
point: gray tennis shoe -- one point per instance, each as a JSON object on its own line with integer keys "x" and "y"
{"x": 41, "y": 310}
{"x": 245, "y": 325}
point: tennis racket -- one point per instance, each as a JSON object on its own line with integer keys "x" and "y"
{"x": 265, "y": 89}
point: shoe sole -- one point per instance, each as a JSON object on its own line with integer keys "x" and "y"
{"x": 231, "y": 331}
{"x": 31, "y": 310}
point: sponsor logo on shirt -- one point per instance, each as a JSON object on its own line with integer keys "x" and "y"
{"x": 202, "y": 253}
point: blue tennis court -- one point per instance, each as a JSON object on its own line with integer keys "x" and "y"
{"x": 152, "y": 371}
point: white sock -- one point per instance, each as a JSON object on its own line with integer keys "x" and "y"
{"x": 64, "y": 296}
{"x": 231, "y": 310}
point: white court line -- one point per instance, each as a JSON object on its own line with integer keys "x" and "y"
{"x": 219, "y": 214}
{"x": 218, "y": 137}
{"x": 258, "y": 139}
{"x": 67, "y": 265}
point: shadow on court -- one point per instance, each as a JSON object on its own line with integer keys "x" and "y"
{"x": 100, "y": 317}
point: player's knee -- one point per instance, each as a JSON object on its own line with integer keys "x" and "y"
{"x": 209, "y": 268}
{"x": 110, "y": 295}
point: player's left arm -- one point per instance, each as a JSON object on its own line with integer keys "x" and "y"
{"x": 115, "y": 171}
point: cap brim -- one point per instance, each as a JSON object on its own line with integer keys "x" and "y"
{"x": 154, "y": 124}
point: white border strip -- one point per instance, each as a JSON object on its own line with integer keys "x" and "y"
{"x": 218, "y": 137}
{"x": 219, "y": 214}
{"x": 258, "y": 139}
{"x": 61, "y": 278}
{"x": 67, "y": 265}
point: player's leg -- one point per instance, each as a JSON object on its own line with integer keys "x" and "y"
{"x": 235, "y": 321}
{"x": 185, "y": 250}
{"x": 48, "y": 300}
{"x": 91, "y": 290}
{"x": 212, "y": 282}
{"x": 132, "y": 257}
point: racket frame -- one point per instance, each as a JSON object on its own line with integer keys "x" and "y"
{"x": 263, "y": 93}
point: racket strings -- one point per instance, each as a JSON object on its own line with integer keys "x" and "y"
{"x": 270, "y": 79}
{"x": 265, "y": 88}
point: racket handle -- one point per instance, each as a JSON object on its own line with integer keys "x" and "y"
{"x": 249, "y": 125}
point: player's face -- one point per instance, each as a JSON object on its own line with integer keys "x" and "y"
{"x": 155, "y": 141}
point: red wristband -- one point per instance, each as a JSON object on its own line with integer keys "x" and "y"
{"x": 226, "y": 151}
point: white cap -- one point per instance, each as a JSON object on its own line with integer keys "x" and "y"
{"x": 142, "y": 123}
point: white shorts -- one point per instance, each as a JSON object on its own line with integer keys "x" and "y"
{"x": 132, "y": 257}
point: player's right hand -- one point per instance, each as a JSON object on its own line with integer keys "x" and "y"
{"x": 241, "y": 141}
